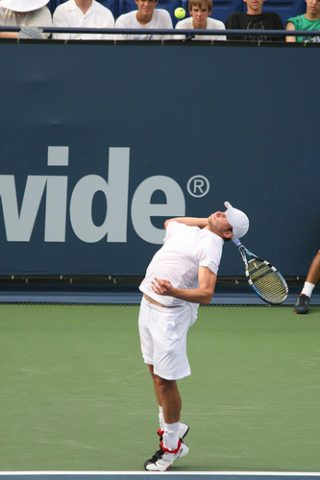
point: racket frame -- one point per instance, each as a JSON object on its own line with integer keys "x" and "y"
{"x": 245, "y": 254}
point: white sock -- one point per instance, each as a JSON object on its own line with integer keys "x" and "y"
{"x": 307, "y": 289}
{"x": 161, "y": 419}
{"x": 171, "y": 435}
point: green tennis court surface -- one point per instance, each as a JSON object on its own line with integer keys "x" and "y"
{"x": 75, "y": 395}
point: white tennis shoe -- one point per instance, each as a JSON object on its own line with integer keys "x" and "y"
{"x": 164, "y": 458}
{"x": 183, "y": 430}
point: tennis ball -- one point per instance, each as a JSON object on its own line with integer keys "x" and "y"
{"x": 180, "y": 13}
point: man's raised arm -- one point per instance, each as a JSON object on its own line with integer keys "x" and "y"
{"x": 190, "y": 221}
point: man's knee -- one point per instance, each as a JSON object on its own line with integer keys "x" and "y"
{"x": 163, "y": 384}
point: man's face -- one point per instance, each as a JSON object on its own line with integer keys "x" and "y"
{"x": 199, "y": 15}
{"x": 313, "y": 8}
{"x": 219, "y": 224}
{"x": 254, "y": 7}
{"x": 146, "y": 7}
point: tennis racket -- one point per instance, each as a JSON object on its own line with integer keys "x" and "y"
{"x": 263, "y": 277}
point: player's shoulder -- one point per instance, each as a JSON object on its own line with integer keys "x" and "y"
{"x": 174, "y": 227}
{"x": 209, "y": 238}
{"x": 208, "y": 245}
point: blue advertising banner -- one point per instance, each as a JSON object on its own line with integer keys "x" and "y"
{"x": 101, "y": 142}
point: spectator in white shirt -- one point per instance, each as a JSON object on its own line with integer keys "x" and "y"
{"x": 200, "y": 11}
{"x": 147, "y": 16}
{"x": 30, "y": 15}
{"x": 82, "y": 14}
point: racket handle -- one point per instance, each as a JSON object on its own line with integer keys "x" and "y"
{"x": 237, "y": 242}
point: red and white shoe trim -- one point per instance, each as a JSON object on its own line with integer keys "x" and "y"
{"x": 167, "y": 450}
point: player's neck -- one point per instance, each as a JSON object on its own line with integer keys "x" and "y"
{"x": 214, "y": 230}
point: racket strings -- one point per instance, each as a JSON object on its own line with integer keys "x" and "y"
{"x": 267, "y": 281}
{"x": 258, "y": 269}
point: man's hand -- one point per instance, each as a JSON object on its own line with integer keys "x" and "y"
{"x": 161, "y": 287}
{"x": 31, "y": 32}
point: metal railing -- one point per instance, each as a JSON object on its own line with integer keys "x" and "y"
{"x": 171, "y": 33}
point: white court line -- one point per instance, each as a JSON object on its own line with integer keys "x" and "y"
{"x": 213, "y": 473}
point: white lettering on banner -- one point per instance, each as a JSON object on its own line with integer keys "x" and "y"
{"x": 114, "y": 227}
{"x": 56, "y": 209}
{"x": 19, "y": 226}
{"x": 53, "y": 190}
{"x": 142, "y": 209}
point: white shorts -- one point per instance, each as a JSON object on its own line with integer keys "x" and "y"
{"x": 163, "y": 337}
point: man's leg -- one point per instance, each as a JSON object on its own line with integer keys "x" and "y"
{"x": 170, "y": 356}
{"x": 313, "y": 277}
{"x": 171, "y": 446}
{"x": 169, "y": 399}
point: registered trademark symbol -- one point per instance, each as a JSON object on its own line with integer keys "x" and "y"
{"x": 198, "y": 186}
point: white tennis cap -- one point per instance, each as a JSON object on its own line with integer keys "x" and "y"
{"x": 237, "y": 219}
{"x": 23, "y": 5}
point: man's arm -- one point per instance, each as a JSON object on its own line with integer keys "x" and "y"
{"x": 202, "y": 294}
{"x": 190, "y": 221}
{"x": 291, "y": 27}
{"x": 8, "y": 34}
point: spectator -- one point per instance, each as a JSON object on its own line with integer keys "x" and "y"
{"x": 255, "y": 19}
{"x": 200, "y": 11}
{"x": 145, "y": 17}
{"x": 308, "y": 21}
{"x": 82, "y": 14}
{"x": 28, "y": 14}
{"x": 313, "y": 277}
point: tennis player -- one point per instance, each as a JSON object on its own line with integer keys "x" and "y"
{"x": 180, "y": 276}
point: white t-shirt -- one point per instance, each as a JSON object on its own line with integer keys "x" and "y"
{"x": 68, "y": 14}
{"x": 160, "y": 19}
{"x": 36, "y": 18}
{"x": 212, "y": 24}
{"x": 185, "y": 249}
